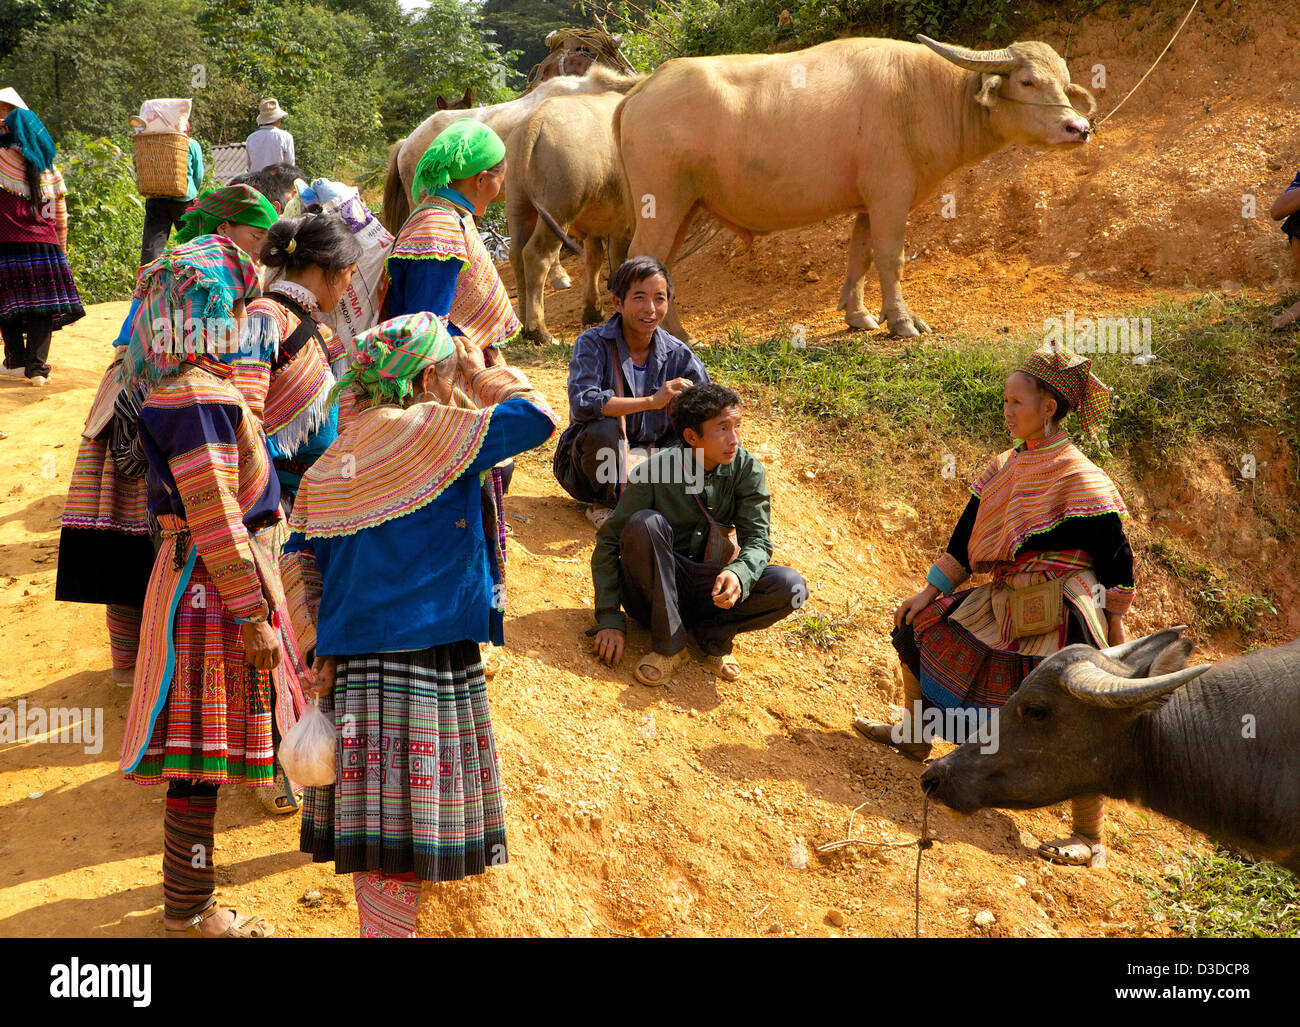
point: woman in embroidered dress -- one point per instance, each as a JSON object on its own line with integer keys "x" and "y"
{"x": 37, "y": 293}
{"x": 105, "y": 554}
{"x": 439, "y": 265}
{"x": 1040, "y": 513}
{"x": 418, "y": 790}
{"x": 200, "y": 712}
{"x": 286, "y": 371}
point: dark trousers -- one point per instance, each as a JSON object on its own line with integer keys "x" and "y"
{"x": 594, "y": 453}
{"x": 27, "y": 343}
{"x": 672, "y": 594}
{"x": 160, "y": 214}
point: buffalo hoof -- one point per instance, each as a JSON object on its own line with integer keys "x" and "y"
{"x": 862, "y": 320}
{"x": 903, "y": 328}
{"x": 560, "y": 280}
{"x": 536, "y": 336}
{"x": 592, "y": 316}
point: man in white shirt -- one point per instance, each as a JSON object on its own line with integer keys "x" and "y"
{"x": 270, "y": 144}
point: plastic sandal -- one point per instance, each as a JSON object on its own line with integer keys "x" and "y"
{"x": 725, "y": 667}
{"x": 663, "y": 665}
{"x": 1075, "y": 851}
{"x": 240, "y": 927}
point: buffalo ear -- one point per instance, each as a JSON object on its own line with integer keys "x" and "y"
{"x": 1171, "y": 658}
{"x": 1075, "y": 91}
{"x": 987, "y": 96}
{"x": 442, "y": 104}
{"x": 468, "y": 98}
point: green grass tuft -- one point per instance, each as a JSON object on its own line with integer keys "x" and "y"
{"x": 1224, "y": 896}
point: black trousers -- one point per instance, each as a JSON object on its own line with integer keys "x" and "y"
{"x": 672, "y": 594}
{"x": 27, "y": 343}
{"x": 593, "y": 454}
{"x": 160, "y": 214}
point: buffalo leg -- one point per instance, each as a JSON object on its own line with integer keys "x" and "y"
{"x": 559, "y": 277}
{"x": 661, "y": 237}
{"x": 888, "y": 226}
{"x": 540, "y": 253}
{"x": 593, "y": 250}
{"x": 851, "y": 300}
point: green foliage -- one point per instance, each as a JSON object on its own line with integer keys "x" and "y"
{"x": 105, "y": 216}
{"x": 695, "y": 27}
{"x": 904, "y": 398}
{"x": 1224, "y": 896}
{"x": 521, "y": 26}
{"x": 821, "y": 628}
{"x": 1218, "y": 601}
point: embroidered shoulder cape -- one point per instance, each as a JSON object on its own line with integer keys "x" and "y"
{"x": 387, "y": 463}
{"x": 1026, "y": 493}
{"x": 480, "y": 307}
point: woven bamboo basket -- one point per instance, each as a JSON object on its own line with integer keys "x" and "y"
{"x": 162, "y": 163}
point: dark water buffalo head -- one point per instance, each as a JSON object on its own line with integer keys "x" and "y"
{"x": 1067, "y": 729}
{"x": 1027, "y": 89}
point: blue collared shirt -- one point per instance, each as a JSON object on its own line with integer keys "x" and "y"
{"x": 591, "y": 377}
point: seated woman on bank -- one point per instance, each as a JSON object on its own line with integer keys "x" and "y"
{"x": 664, "y": 554}
{"x": 1286, "y": 208}
{"x": 400, "y": 581}
{"x": 1044, "y": 521}
{"x": 622, "y": 377}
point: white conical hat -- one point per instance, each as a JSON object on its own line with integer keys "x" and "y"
{"x": 10, "y": 95}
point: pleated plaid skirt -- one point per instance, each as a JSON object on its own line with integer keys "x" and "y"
{"x": 35, "y": 282}
{"x": 418, "y": 789}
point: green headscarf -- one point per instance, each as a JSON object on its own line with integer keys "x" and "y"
{"x": 464, "y": 148}
{"x": 390, "y": 354}
{"x": 241, "y": 204}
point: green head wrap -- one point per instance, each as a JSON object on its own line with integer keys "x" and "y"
{"x": 390, "y": 354}
{"x": 464, "y": 148}
{"x": 241, "y": 204}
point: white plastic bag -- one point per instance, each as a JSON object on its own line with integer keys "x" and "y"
{"x": 307, "y": 751}
{"x": 164, "y": 115}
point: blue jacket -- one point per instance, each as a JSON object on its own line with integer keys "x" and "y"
{"x": 591, "y": 377}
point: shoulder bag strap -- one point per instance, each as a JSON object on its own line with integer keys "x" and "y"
{"x": 620, "y": 390}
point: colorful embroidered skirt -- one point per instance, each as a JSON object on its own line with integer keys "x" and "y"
{"x": 419, "y": 789}
{"x": 215, "y": 724}
{"x": 956, "y": 669}
{"x": 35, "y": 282}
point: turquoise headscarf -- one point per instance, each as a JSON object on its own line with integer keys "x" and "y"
{"x": 464, "y": 148}
{"x": 31, "y": 136}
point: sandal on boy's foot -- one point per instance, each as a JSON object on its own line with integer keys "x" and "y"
{"x": 598, "y": 515}
{"x": 240, "y": 926}
{"x": 883, "y": 734}
{"x": 660, "y": 668}
{"x": 725, "y": 667}
{"x": 280, "y": 798}
{"x": 1075, "y": 851}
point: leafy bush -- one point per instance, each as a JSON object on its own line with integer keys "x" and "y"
{"x": 105, "y": 215}
{"x": 696, "y": 27}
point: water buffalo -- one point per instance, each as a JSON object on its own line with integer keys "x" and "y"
{"x": 502, "y": 118}
{"x": 766, "y": 143}
{"x": 1217, "y": 747}
{"x": 563, "y": 166}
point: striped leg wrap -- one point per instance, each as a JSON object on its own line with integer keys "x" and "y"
{"x": 387, "y": 906}
{"x": 187, "y": 848}
{"x": 124, "y": 635}
{"x": 1087, "y": 812}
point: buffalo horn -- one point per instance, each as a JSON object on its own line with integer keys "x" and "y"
{"x": 992, "y": 62}
{"x": 1139, "y": 653}
{"x": 1085, "y": 680}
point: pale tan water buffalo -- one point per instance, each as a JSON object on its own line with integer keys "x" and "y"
{"x": 502, "y": 118}
{"x": 562, "y": 164}
{"x": 766, "y": 143}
